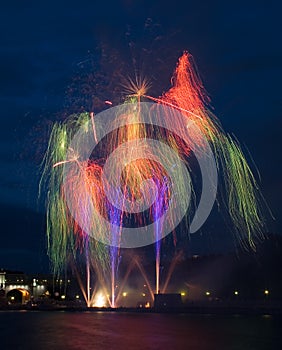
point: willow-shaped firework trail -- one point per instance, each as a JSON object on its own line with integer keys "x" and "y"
{"x": 80, "y": 200}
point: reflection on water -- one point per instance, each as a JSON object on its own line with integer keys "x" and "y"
{"x": 110, "y": 330}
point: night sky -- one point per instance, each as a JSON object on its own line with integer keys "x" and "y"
{"x": 46, "y": 48}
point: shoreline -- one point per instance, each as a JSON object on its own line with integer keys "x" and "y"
{"x": 191, "y": 309}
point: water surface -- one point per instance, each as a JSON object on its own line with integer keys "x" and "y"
{"x": 111, "y": 330}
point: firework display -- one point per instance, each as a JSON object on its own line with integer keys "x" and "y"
{"x": 142, "y": 177}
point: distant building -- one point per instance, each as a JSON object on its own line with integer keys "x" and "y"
{"x": 19, "y": 287}
{"x": 2, "y": 280}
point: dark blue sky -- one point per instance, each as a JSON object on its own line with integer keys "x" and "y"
{"x": 45, "y": 47}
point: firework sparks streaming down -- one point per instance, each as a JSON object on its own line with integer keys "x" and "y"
{"x": 143, "y": 177}
{"x": 240, "y": 185}
{"x": 241, "y": 192}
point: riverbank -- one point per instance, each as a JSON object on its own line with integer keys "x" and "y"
{"x": 224, "y": 308}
